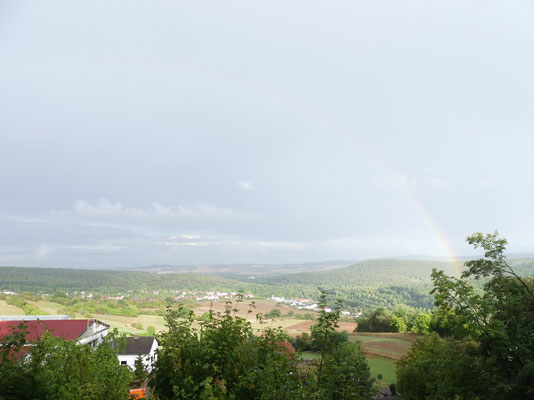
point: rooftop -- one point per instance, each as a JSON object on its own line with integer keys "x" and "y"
{"x": 136, "y": 345}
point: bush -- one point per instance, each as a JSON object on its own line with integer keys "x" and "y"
{"x": 274, "y": 313}
{"x": 222, "y": 359}
{"x": 346, "y": 374}
{"x": 61, "y": 369}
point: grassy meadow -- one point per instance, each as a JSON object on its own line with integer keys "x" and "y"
{"x": 7, "y": 309}
{"x": 382, "y": 350}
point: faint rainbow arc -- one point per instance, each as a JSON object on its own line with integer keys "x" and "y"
{"x": 418, "y": 204}
{"x": 444, "y": 242}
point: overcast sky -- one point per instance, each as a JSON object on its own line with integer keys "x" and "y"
{"x": 177, "y": 132}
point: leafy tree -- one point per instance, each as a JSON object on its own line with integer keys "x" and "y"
{"x": 301, "y": 342}
{"x": 139, "y": 370}
{"x": 398, "y": 323}
{"x": 274, "y": 313}
{"x": 436, "y": 369}
{"x": 326, "y": 325}
{"x": 379, "y": 320}
{"x": 489, "y": 315}
{"x": 422, "y": 323}
{"x": 59, "y": 369}
{"x": 223, "y": 359}
{"x": 346, "y": 374}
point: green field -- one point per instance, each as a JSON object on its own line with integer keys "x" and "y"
{"x": 310, "y": 355}
{"x": 48, "y": 306}
{"x": 382, "y": 350}
{"x": 384, "y": 366}
{"x": 7, "y": 309}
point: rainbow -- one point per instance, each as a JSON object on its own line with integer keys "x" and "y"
{"x": 298, "y": 107}
{"x": 444, "y": 242}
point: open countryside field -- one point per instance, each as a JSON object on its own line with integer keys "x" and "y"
{"x": 124, "y": 324}
{"x": 385, "y": 367}
{"x": 255, "y": 306}
{"x": 389, "y": 345}
{"x": 301, "y": 326}
{"x": 48, "y": 307}
{"x": 382, "y": 350}
{"x": 292, "y": 325}
{"x": 7, "y": 309}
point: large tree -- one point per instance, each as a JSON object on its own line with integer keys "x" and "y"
{"x": 488, "y": 314}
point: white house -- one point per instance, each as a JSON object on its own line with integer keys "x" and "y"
{"x": 143, "y": 346}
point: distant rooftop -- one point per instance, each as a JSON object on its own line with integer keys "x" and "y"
{"x": 138, "y": 345}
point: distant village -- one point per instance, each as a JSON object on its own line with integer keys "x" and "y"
{"x": 309, "y": 304}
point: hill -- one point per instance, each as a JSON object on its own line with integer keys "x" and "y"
{"x": 246, "y": 270}
{"x": 364, "y": 285}
{"x": 378, "y": 272}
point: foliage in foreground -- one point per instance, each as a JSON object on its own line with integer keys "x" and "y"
{"x": 489, "y": 349}
{"x": 224, "y": 359}
{"x": 60, "y": 369}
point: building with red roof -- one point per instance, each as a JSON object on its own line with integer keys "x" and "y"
{"x": 84, "y": 331}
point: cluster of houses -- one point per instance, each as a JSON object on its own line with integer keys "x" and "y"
{"x": 181, "y": 295}
{"x": 84, "y": 331}
{"x": 308, "y": 304}
{"x": 218, "y": 296}
{"x": 301, "y": 304}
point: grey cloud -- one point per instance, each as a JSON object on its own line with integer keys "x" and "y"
{"x": 280, "y": 131}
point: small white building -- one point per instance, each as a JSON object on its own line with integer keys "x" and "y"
{"x": 137, "y": 346}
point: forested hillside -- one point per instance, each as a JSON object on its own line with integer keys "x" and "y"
{"x": 379, "y": 272}
{"x": 51, "y": 279}
{"x": 371, "y": 283}
{"x": 364, "y": 285}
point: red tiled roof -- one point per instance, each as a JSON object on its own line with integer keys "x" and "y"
{"x": 66, "y": 329}
{"x": 288, "y": 347}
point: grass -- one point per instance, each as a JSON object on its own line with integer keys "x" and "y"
{"x": 378, "y": 365}
{"x": 124, "y": 324}
{"x": 7, "y": 309}
{"x": 388, "y": 345}
{"x": 384, "y": 366}
{"x": 48, "y": 306}
{"x": 310, "y": 355}
{"x": 382, "y": 350}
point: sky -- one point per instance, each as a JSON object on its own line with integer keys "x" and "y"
{"x": 135, "y": 133}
